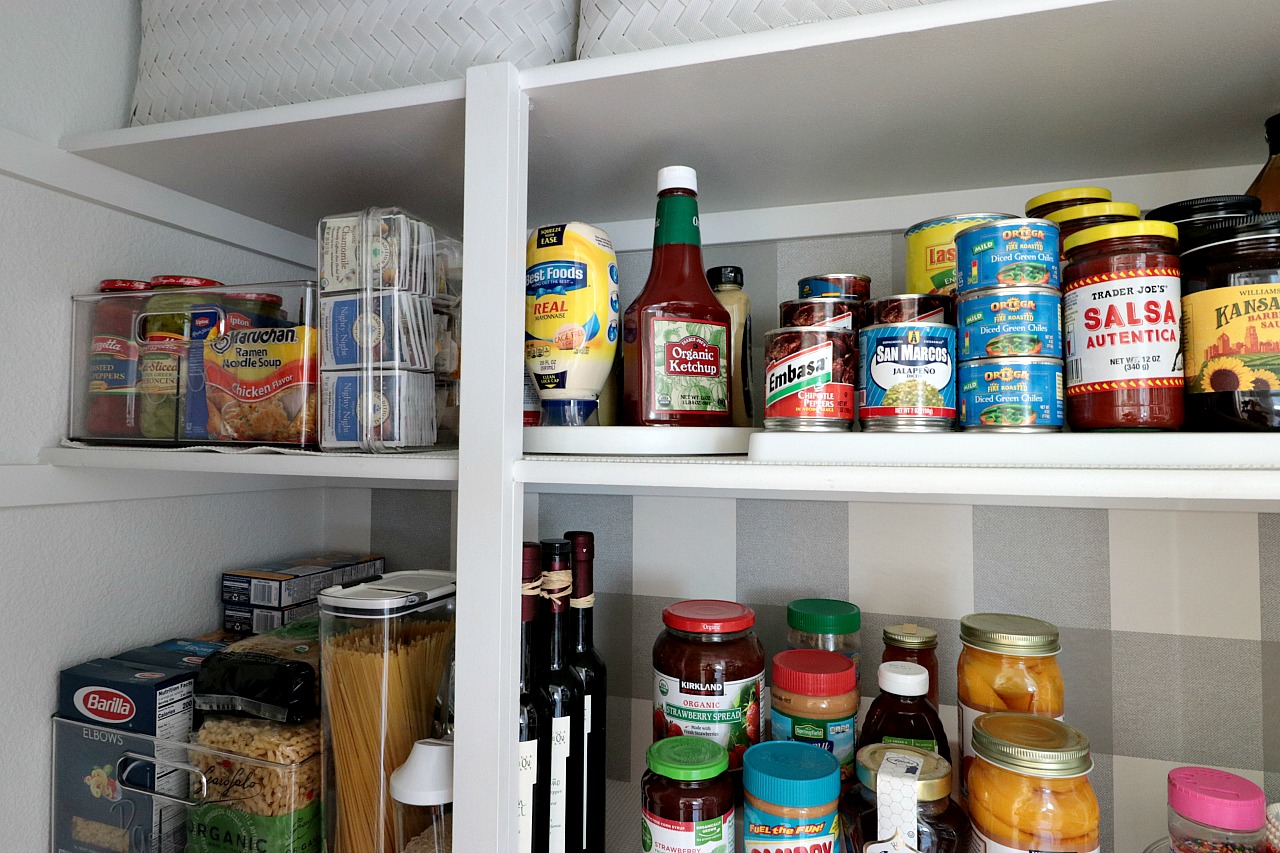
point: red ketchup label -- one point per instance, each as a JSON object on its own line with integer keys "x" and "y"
{"x": 1123, "y": 330}
{"x": 801, "y": 386}
{"x": 692, "y": 356}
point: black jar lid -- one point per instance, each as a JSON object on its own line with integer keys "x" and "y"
{"x": 725, "y": 275}
{"x": 1234, "y": 230}
{"x": 1207, "y": 207}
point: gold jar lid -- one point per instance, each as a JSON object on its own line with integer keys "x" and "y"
{"x": 1035, "y": 746}
{"x": 933, "y": 783}
{"x": 910, "y": 636}
{"x": 1007, "y": 634}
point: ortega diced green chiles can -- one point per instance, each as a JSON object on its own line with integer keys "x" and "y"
{"x": 931, "y": 250}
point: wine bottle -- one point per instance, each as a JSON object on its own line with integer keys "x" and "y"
{"x": 586, "y": 661}
{"x": 1267, "y": 185}
{"x": 534, "y": 806}
{"x": 560, "y": 746}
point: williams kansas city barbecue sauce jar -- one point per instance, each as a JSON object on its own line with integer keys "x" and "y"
{"x": 1122, "y": 317}
{"x": 708, "y": 675}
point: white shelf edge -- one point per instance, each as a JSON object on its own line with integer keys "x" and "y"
{"x": 308, "y": 111}
{"x": 42, "y": 164}
{"x": 373, "y": 470}
{"x": 785, "y": 39}
{"x": 897, "y": 213}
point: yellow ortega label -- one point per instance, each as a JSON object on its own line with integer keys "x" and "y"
{"x": 1231, "y": 338}
{"x": 571, "y": 310}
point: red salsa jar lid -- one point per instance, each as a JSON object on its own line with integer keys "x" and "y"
{"x": 708, "y": 616}
{"x": 814, "y": 672}
{"x": 183, "y": 281}
{"x": 1141, "y": 228}
{"x": 113, "y": 285}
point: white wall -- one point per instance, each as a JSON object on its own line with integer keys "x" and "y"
{"x": 67, "y": 66}
{"x": 92, "y": 579}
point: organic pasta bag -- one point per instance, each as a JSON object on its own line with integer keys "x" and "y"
{"x": 273, "y": 676}
{"x": 268, "y": 800}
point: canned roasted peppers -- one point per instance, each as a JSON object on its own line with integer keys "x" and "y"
{"x": 1011, "y": 252}
{"x": 1011, "y": 395}
{"x": 809, "y": 379}
{"x": 1001, "y": 322}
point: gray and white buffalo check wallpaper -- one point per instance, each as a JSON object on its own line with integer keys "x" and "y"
{"x": 1170, "y": 620}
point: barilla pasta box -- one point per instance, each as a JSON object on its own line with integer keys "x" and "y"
{"x": 108, "y": 768}
{"x": 286, "y": 583}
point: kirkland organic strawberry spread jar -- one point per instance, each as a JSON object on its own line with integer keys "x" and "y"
{"x": 708, "y": 673}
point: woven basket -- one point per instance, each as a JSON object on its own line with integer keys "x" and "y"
{"x": 622, "y": 26}
{"x": 202, "y": 57}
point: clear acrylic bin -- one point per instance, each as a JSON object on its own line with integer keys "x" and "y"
{"x": 389, "y": 291}
{"x": 196, "y": 365}
{"x": 115, "y": 791}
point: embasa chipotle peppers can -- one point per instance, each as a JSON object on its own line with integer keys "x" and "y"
{"x": 907, "y": 381}
{"x": 840, "y": 312}
{"x": 809, "y": 379}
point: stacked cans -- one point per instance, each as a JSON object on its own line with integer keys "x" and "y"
{"x": 1009, "y": 318}
{"x": 907, "y": 381}
{"x": 811, "y": 360}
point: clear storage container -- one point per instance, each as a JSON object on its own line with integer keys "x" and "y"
{"x": 389, "y": 344}
{"x": 115, "y": 791}
{"x": 385, "y": 645}
{"x": 422, "y": 788}
{"x": 232, "y": 364}
{"x": 1213, "y": 810}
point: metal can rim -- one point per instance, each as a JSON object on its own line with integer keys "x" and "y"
{"x": 827, "y": 329}
{"x": 957, "y": 218}
{"x": 1014, "y": 359}
{"x": 978, "y": 292}
{"x": 1020, "y": 220}
{"x": 907, "y": 323}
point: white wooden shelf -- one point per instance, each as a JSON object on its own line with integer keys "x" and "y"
{"x": 1170, "y": 471}
{"x": 898, "y": 107}
{"x": 438, "y": 469}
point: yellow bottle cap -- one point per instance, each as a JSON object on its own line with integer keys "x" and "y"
{"x": 1086, "y": 211}
{"x": 1142, "y": 228}
{"x": 1067, "y": 195}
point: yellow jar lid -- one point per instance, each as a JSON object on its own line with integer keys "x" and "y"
{"x": 1009, "y": 634}
{"x": 1035, "y": 746}
{"x": 1102, "y": 208}
{"x": 1141, "y": 228}
{"x": 933, "y": 783}
{"x": 1067, "y": 195}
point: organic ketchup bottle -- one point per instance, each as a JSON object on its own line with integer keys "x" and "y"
{"x": 675, "y": 335}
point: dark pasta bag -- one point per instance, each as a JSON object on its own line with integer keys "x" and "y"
{"x": 273, "y": 676}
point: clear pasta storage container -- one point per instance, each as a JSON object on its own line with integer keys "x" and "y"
{"x": 195, "y": 365}
{"x": 389, "y": 340}
{"x": 385, "y": 647}
{"x": 241, "y": 784}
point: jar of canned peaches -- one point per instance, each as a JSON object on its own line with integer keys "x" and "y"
{"x": 1029, "y": 786}
{"x": 1007, "y": 663}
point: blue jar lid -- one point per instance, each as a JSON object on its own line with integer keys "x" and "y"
{"x": 791, "y": 774}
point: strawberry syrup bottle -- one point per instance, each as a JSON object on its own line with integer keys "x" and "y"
{"x": 675, "y": 335}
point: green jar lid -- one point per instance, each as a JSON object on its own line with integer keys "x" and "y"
{"x": 824, "y": 616}
{"x": 687, "y": 758}
{"x": 1009, "y": 634}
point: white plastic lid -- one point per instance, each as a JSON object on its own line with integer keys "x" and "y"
{"x": 677, "y": 177}
{"x": 396, "y": 592}
{"x": 903, "y": 679}
{"x": 426, "y": 777}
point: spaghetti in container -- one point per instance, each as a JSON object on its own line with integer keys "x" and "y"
{"x": 385, "y": 645}
{"x": 1007, "y": 663}
{"x": 1029, "y": 787}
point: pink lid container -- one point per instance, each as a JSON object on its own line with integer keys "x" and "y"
{"x": 1217, "y": 798}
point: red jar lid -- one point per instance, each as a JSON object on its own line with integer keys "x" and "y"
{"x": 814, "y": 672}
{"x": 708, "y": 616}
{"x": 110, "y": 285}
{"x": 264, "y": 298}
{"x": 183, "y": 281}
